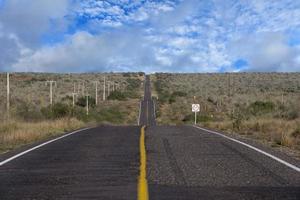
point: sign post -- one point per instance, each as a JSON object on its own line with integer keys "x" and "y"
{"x": 195, "y": 109}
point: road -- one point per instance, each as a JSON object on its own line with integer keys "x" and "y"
{"x": 147, "y": 116}
{"x": 183, "y": 162}
{"x": 99, "y": 163}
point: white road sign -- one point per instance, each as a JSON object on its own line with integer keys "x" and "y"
{"x": 195, "y": 107}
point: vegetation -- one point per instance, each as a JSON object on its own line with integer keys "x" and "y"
{"x": 263, "y": 106}
{"x": 32, "y": 118}
{"x": 17, "y": 133}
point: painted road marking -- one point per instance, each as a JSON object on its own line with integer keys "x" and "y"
{"x": 39, "y": 146}
{"x": 254, "y": 148}
{"x": 142, "y": 182}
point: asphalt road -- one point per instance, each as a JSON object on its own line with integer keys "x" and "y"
{"x": 186, "y": 163}
{"x": 183, "y": 162}
{"x": 147, "y": 115}
{"x": 99, "y": 163}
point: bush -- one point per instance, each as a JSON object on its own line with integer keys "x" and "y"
{"x": 291, "y": 115}
{"x": 117, "y": 95}
{"x": 237, "y": 121}
{"x": 112, "y": 115}
{"x": 81, "y": 101}
{"x": 172, "y": 99}
{"x": 260, "y": 107}
{"x": 28, "y": 112}
{"x": 56, "y": 111}
{"x": 131, "y": 94}
{"x": 133, "y": 84}
{"x": 179, "y": 94}
{"x": 200, "y": 118}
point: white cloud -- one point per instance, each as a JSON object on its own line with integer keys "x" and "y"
{"x": 267, "y": 52}
{"x": 184, "y": 35}
{"x": 28, "y": 20}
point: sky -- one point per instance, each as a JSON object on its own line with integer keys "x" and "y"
{"x": 150, "y": 35}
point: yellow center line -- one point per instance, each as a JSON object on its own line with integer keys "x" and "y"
{"x": 142, "y": 182}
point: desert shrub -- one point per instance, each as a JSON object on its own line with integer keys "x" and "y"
{"x": 80, "y": 113}
{"x": 211, "y": 100}
{"x": 260, "y": 107}
{"x": 172, "y": 99}
{"x": 141, "y": 73}
{"x": 179, "y": 94}
{"x": 117, "y": 95}
{"x": 292, "y": 114}
{"x": 126, "y": 74}
{"x": 56, "y": 111}
{"x": 133, "y": 84}
{"x": 28, "y": 112}
{"x": 81, "y": 101}
{"x": 200, "y": 118}
{"x": 132, "y": 94}
{"x": 237, "y": 121}
{"x": 34, "y": 79}
{"x": 112, "y": 115}
{"x": 296, "y": 133}
{"x": 205, "y": 118}
{"x": 188, "y": 118}
{"x": 163, "y": 97}
{"x": 132, "y": 88}
{"x": 67, "y": 98}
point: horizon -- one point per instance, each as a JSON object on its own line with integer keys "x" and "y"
{"x": 146, "y": 73}
{"x": 171, "y": 36}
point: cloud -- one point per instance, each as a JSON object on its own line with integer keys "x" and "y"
{"x": 268, "y": 51}
{"x": 28, "y": 20}
{"x": 86, "y": 52}
{"x": 9, "y": 51}
{"x": 129, "y": 35}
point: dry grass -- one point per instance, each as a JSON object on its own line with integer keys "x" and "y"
{"x": 15, "y": 133}
{"x": 264, "y": 106}
{"x": 276, "y": 131}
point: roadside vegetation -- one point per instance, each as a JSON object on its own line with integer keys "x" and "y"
{"x": 32, "y": 118}
{"x": 263, "y": 106}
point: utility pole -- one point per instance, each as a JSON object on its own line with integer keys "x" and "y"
{"x": 51, "y": 90}
{"x": 74, "y": 97}
{"x": 83, "y": 88}
{"x": 113, "y": 86}
{"x": 108, "y": 88}
{"x": 96, "y": 92}
{"x": 87, "y": 104}
{"x": 104, "y": 95}
{"x": 8, "y": 93}
{"x": 74, "y": 87}
{"x": 78, "y": 88}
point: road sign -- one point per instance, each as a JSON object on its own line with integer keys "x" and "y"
{"x": 195, "y": 107}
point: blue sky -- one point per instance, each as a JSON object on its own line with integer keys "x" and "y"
{"x": 150, "y": 35}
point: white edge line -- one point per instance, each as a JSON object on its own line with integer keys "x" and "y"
{"x": 39, "y": 146}
{"x": 254, "y": 148}
{"x": 140, "y": 113}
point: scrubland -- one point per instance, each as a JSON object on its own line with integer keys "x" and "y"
{"x": 262, "y": 106}
{"x": 31, "y": 117}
